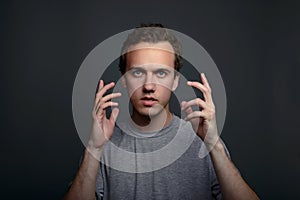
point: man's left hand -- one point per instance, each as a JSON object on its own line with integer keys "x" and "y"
{"x": 203, "y": 120}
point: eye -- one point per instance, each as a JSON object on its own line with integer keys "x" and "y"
{"x": 161, "y": 74}
{"x": 137, "y": 73}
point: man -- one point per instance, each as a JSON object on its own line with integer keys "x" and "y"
{"x": 149, "y": 64}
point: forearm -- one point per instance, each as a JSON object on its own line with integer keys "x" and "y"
{"x": 231, "y": 182}
{"x": 84, "y": 184}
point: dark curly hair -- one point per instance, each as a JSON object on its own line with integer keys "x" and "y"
{"x": 152, "y": 33}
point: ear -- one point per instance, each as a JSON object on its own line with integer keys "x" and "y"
{"x": 123, "y": 81}
{"x": 176, "y": 81}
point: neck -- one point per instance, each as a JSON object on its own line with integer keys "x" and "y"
{"x": 152, "y": 123}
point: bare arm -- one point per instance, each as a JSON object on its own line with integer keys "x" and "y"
{"x": 84, "y": 184}
{"x": 233, "y": 186}
{"x": 231, "y": 182}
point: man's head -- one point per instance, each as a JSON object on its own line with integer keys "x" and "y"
{"x": 150, "y": 33}
{"x": 149, "y": 64}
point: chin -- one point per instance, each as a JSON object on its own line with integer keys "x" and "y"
{"x": 150, "y": 111}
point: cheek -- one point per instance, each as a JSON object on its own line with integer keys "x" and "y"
{"x": 167, "y": 84}
{"x": 133, "y": 87}
{"x": 164, "y": 92}
{"x": 135, "y": 93}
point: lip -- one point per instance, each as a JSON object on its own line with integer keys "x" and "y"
{"x": 148, "y": 101}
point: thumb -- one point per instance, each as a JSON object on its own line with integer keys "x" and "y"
{"x": 114, "y": 114}
{"x": 187, "y": 110}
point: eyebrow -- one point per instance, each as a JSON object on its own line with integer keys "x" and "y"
{"x": 136, "y": 68}
{"x": 163, "y": 69}
{"x": 143, "y": 69}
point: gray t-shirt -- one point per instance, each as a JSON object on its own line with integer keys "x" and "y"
{"x": 174, "y": 170}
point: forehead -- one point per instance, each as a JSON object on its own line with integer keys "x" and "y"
{"x": 164, "y": 45}
{"x": 145, "y": 53}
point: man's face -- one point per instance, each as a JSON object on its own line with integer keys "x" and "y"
{"x": 150, "y": 77}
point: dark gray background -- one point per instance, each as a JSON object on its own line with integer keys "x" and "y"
{"x": 255, "y": 45}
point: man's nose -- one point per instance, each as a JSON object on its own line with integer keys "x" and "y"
{"x": 149, "y": 84}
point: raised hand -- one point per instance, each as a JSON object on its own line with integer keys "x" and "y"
{"x": 102, "y": 128}
{"x": 204, "y": 121}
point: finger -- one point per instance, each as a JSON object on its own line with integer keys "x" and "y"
{"x": 113, "y": 116}
{"x": 195, "y": 114}
{"x": 108, "y": 98}
{"x": 100, "y": 86}
{"x": 183, "y": 103}
{"x": 105, "y": 105}
{"x": 103, "y": 90}
{"x": 206, "y": 91}
{"x": 186, "y": 109}
{"x": 195, "y": 102}
{"x": 200, "y": 87}
{"x": 205, "y": 81}
{"x": 206, "y": 84}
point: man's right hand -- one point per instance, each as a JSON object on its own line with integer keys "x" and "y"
{"x": 84, "y": 184}
{"x": 102, "y": 128}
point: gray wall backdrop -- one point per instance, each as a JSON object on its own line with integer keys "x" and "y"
{"x": 255, "y": 45}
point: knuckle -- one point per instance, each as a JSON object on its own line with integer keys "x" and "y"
{"x": 213, "y": 107}
{"x": 102, "y": 106}
{"x": 204, "y": 89}
{"x": 211, "y": 112}
{"x": 198, "y": 100}
{"x": 98, "y": 94}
